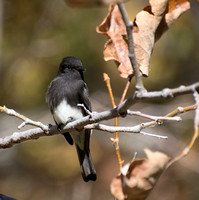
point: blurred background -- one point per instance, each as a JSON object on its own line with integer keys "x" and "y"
{"x": 34, "y": 37}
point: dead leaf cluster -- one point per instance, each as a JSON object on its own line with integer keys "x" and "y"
{"x": 149, "y": 25}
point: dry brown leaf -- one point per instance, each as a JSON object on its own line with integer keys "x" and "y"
{"x": 174, "y": 9}
{"x": 149, "y": 25}
{"x": 116, "y": 47}
{"x": 140, "y": 177}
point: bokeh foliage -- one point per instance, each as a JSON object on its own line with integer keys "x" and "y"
{"x": 36, "y": 36}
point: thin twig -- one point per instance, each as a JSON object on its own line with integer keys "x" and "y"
{"x": 85, "y": 109}
{"x": 125, "y": 90}
{"x": 154, "y": 135}
{"x": 129, "y": 29}
{"x": 171, "y": 114}
{"x": 195, "y": 134}
{"x": 115, "y": 140}
{"x": 155, "y": 118}
{"x": 26, "y": 120}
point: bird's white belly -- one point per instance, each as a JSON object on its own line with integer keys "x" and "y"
{"x": 65, "y": 113}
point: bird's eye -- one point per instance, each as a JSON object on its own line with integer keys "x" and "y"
{"x": 64, "y": 69}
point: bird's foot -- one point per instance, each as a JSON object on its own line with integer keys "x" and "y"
{"x": 50, "y": 127}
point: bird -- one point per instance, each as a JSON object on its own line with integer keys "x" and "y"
{"x": 65, "y": 92}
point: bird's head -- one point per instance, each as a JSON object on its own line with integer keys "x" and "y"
{"x": 71, "y": 63}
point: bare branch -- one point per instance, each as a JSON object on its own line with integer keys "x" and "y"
{"x": 18, "y": 137}
{"x": 154, "y": 135}
{"x": 155, "y": 118}
{"x": 163, "y": 94}
{"x": 26, "y": 120}
{"x": 129, "y": 29}
{"x": 85, "y": 109}
{"x": 187, "y": 149}
{"x": 115, "y": 140}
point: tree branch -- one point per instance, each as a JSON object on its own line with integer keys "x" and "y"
{"x": 129, "y": 29}
{"x": 155, "y": 95}
{"x": 92, "y": 120}
{"x": 155, "y": 118}
{"x": 187, "y": 149}
{"x": 18, "y": 137}
{"x": 26, "y": 121}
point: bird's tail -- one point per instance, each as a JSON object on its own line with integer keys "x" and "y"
{"x": 86, "y": 164}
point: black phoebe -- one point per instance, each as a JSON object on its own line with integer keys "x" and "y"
{"x": 65, "y": 92}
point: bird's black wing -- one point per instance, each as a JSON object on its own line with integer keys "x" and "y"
{"x": 54, "y": 94}
{"x": 84, "y": 99}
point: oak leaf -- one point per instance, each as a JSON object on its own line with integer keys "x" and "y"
{"x": 139, "y": 177}
{"x": 149, "y": 25}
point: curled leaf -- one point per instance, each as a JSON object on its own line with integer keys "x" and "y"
{"x": 175, "y": 8}
{"x": 116, "y": 47}
{"x": 149, "y": 25}
{"x": 139, "y": 177}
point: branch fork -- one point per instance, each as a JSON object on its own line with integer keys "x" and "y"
{"x": 26, "y": 120}
{"x": 88, "y": 123}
